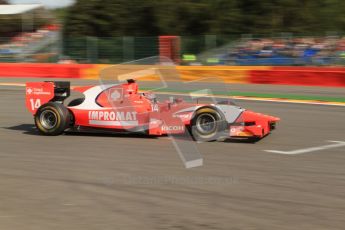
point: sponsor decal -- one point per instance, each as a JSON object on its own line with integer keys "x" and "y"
{"x": 173, "y": 128}
{"x": 185, "y": 116}
{"x": 113, "y": 118}
{"x": 36, "y": 91}
{"x": 29, "y": 91}
{"x": 115, "y": 95}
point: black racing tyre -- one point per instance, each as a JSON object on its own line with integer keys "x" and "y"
{"x": 76, "y": 102}
{"x": 52, "y": 119}
{"x": 208, "y": 124}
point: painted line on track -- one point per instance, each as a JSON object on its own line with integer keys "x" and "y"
{"x": 12, "y": 84}
{"x": 336, "y": 144}
{"x": 246, "y": 98}
{"x": 23, "y": 85}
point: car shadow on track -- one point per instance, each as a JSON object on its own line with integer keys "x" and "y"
{"x": 110, "y": 134}
{"x": 243, "y": 140}
{"x": 30, "y": 129}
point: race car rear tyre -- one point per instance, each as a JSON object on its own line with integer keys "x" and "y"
{"x": 208, "y": 124}
{"x": 52, "y": 119}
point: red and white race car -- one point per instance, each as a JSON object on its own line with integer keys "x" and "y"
{"x": 122, "y": 108}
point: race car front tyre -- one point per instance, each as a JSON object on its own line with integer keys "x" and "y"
{"x": 52, "y": 119}
{"x": 208, "y": 125}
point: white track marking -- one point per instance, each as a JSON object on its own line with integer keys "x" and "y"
{"x": 308, "y": 150}
{"x": 13, "y": 84}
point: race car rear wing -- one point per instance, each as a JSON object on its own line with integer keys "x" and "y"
{"x": 40, "y": 93}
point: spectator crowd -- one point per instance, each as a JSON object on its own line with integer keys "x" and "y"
{"x": 18, "y": 44}
{"x": 297, "y": 51}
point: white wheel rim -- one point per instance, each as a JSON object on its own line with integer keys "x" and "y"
{"x": 206, "y": 123}
{"x": 48, "y": 119}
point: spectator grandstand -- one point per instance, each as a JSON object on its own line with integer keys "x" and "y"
{"x": 328, "y": 50}
{"x": 34, "y": 34}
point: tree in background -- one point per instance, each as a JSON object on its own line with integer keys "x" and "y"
{"x": 106, "y": 18}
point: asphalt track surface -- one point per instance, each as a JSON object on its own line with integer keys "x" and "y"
{"x": 110, "y": 182}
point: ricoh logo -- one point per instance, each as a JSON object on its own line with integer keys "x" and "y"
{"x": 112, "y": 116}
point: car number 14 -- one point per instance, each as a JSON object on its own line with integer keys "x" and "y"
{"x": 35, "y": 104}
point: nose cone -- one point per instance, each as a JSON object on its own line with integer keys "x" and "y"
{"x": 256, "y": 124}
{"x": 249, "y": 116}
{"x": 274, "y": 119}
